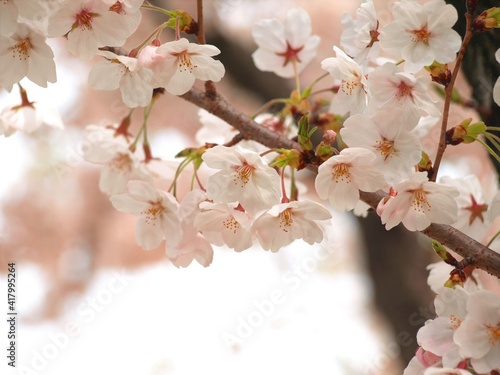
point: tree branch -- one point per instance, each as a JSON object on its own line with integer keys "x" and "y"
{"x": 480, "y": 256}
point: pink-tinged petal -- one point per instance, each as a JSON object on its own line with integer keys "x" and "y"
{"x": 143, "y": 190}
{"x": 297, "y": 27}
{"x": 269, "y": 34}
{"x": 489, "y": 362}
{"x": 202, "y": 49}
{"x": 112, "y": 181}
{"x": 416, "y": 220}
{"x": 82, "y": 43}
{"x": 8, "y": 17}
{"x": 395, "y": 210}
{"x": 125, "y": 203}
{"x": 343, "y": 196}
{"x": 311, "y": 210}
{"x": 106, "y": 75}
{"x": 472, "y": 338}
{"x": 221, "y": 157}
{"x": 148, "y": 235}
{"x": 269, "y": 61}
{"x": 173, "y": 48}
{"x": 207, "y": 69}
{"x": 180, "y": 83}
{"x": 136, "y": 92}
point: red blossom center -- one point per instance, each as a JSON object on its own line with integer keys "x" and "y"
{"x": 421, "y": 35}
{"x": 404, "y": 90}
{"x": 291, "y": 54}
{"x": 476, "y": 210}
{"x": 84, "y": 20}
{"x": 117, "y": 7}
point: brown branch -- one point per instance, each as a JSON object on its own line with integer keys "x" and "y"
{"x": 448, "y": 93}
{"x": 480, "y": 256}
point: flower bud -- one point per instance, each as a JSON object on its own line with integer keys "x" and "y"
{"x": 426, "y": 358}
{"x": 487, "y": 20}
{"x": 439, "y": 73}
{"x": 329, "y": 137}
{"x": 465, "y": 132}
{"x": 186, "y": 23}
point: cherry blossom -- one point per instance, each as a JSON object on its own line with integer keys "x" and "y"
{"x": 446, "y": 371}
{"x": 390, "y": 88}
{"x": 419, "y": 203}
{"x": 25, "y": 53}
{"x": 224, "y": 224}
{"x": 478, "y": 337}
{"x": 342, "y": 176}
{"x": 351, "y": 96}
{"x": 472, "y": 207}
{"x": 191, "y": 246}
{"x": 157, "y": 211}
{"x": 436, "y": 335}
{"x": 119, "y": 164}
{"x": 397, "y": 150}
{"x": 422, "y": 33}
{"x": 184, "y": 62}
{"x": 286, "y": 222}
{"x": 126, "y": 73}
{"x": 281, "y": 46}
{"x": 439, "y": 273}
{"x": 29, "y": 117}
{"x": 360, "y": 36}
{"x": 90, "y": 24}
{"x": 243, "y": 178}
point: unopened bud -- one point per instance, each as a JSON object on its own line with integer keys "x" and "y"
{"x": 489, "y": 19}
{"x": 465, "y": 132}
{"x": 293, "y": 158}
{"x": 427, "y": 358}
{"x": 329, "y": 137}
{"x": 439, "y": 73}
{"x": 457, "y": 277}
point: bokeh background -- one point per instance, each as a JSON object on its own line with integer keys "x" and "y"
{"x": 90, "y": 301}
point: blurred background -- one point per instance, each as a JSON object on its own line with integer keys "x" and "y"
{"x": 91, "y": 301}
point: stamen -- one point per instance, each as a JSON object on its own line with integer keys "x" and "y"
{"x": 420, "y": 35}
{"x": 385, "y": 147}
{"x": 286, "y": 219}
{"x": 243, "y": 174}
{"x": 340, "y": 172}
{"x": 152, "y": 213}
{"x": 231, "y": 224}
{"x": 419, "y": 201}
{"x": 493, "y": 333}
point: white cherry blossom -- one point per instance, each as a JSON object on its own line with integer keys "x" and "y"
{"x": 157, "y": 211}
{"x": 351, "y": 96}
{"x": 446, "y": 371}
{"x": 360, "y": 35}
{"x": 25, "y": 53}
{"x": 90, "y": 24}
{"x": 422, "y": 33}
{"x": 283, "y": 45}
{"x": 243, "y": 178}
{"x": 126, "y": 73}
{"x": 184, "y": 62}
{"x": 397, "y": 149}
{"x": 392, "y": 89}
{"x": 439, "y": 273}
{"x": 341, "y": 177}
{"x": 286, "y": 222}
{"x": 224, "y": 224}
{"x": 29, "y": 117}
{"x": 436, "y": 335}
{"x": 191, "y": 246}
{"x": 479, "y": 334}
{"x": 419, "y": 203}
{"x": 8, "y": 17}
{"x": 472, "y": 206}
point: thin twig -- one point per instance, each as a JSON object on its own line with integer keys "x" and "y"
{"x": 448, "y": 93}
{"x": 200, "y": 35}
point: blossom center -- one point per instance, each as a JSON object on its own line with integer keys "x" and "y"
{"x": 231, "y": 224}
{"x": 152, "y": 213}
{"x": 117, "y": 7}
{"x": 348, "y": 87}
{"x": 420, "y": 35}
{"x": 455, "y": 322}
{"x": 185, "y": 63}
{"x": 340, "y": 172}
{"x": 419, "y": 201}
{"x": 476, "y": 210}
{"x": 243, "y": 174}
{"x": 84, "y": 20}
{"x": 493, "y": 333}
{"x": 286, "y": 219}
{"x": 404, "y": 91}
{"x": 291, "y": 54}
{"x": 122, "y": 162}
{"x": 385, "y": 147}
{"x": 22, "y": 48}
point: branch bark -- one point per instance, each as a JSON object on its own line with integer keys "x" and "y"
{"x": 479, "y": 255}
